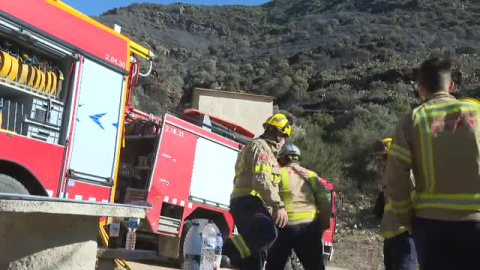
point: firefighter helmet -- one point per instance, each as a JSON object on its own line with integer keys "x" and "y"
{"x": 469, "y": 99}
{"x": 382, "y": 146}
{"x": 281, "y": 122}
{"x": 289, "y": 149}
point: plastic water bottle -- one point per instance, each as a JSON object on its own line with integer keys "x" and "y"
{"x": 131, "y": 239}
{"x": 192, "y": 248}
{"x": 131, "y": 234}
{"x": 218, "y": 250}
{"x": 209, "y": 239}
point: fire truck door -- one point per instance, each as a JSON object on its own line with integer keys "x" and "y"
{"x": 96, "y": 136}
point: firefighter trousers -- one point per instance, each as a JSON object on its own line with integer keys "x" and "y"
{"x": 399, "y": 253}
{"x": 447, "y": 244}
{"x": 305, "y": 239}
{"x": 257, "y": 232}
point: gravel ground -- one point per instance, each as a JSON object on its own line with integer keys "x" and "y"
{"x": 362, "y": 249}
{"x": 139, "y": 266}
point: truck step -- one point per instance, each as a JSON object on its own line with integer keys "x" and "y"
{"x": 129, "y": 255}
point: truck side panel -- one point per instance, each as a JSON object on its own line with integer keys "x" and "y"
{"x": 32, "y": 154}
{"x": 66, "y": 24}
{"x": 170, "y": 181}
{"x": 213, "y": 169}
{"x": 82, "y": 191}
{"x": 189, "y": 153}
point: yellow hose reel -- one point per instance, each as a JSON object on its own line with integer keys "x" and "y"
{"x": 5, "y": 64}
{"x": 31, "y": 76}
{"x": 40, "y": 78}
{"x": 23, "y": 72}
{"x": 12, "y": 74}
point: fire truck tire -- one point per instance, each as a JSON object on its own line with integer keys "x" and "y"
{"x": 325, "y": 259}
{"x": 188, "y": 225}
{"x": 11, "y": 185}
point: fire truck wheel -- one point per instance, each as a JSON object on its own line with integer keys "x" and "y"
{"x": 188, "y": 224}
{"x": 11, "y": 185}
{"x": 325, "y": 259}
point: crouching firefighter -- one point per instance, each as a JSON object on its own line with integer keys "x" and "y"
{"x": 309, "y": 208}
{"x": 257, "y": 175}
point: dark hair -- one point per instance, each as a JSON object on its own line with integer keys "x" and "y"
{"x": 378, "y": 147}
{"x": 434, "y": 73}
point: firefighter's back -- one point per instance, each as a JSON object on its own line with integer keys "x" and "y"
{"x": 447, "y": 148}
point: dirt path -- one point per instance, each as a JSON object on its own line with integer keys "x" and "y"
{"x": 359, "y": 248}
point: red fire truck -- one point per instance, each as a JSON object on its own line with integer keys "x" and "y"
{"x": 68, "y": 130}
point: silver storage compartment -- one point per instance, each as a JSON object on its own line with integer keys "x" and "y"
{"x": 41, "y": 131}
{"x": 11, "y": 115}
{"x": 47, "y": 111}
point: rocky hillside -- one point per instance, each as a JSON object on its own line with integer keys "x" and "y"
{"x": 345, "y": 68}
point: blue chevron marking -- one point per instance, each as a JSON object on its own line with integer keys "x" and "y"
{"x": 79, "y": 105}
{"x": 96, "y": 119}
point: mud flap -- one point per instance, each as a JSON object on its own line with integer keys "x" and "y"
{"x": 168, "y": 246}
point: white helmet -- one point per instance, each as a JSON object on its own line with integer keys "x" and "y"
{"x": 289, "y": 149}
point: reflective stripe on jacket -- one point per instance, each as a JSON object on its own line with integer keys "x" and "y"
{"x": 257, "y": 172}
{"x": 390, "y": 225}
{"x": 303, "y": 194}
{"x": 440, "y": 142}
{"x": 241, "y": 246}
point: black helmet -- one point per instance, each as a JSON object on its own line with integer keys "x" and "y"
{"x": 289, "y": 149}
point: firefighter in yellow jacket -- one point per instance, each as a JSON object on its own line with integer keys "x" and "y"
{"x": 309, "y": 207}
{"x": 257, "y": 175}
{"x": 440, "y": 141}
{"x": 398, "y": 247}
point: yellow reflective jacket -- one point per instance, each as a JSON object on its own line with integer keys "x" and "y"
{"x": 390, "y": 225}
{"x": 440, "y": 142}
{"x": 304, "y": 196}
{"x": 257, "y": 172}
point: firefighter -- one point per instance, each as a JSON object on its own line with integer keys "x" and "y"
{"x": 257, "y": 175}
{"x": 440, "y": 141}
{"x": 309, "y": 208}
{"x": 398, "y": 247}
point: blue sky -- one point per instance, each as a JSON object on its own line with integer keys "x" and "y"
{"x": 95, "y": 7}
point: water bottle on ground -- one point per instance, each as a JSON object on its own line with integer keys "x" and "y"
{"x": 131, "y": 234}
{"x": 192, "y": 248}
{"x": 218, "y": 250}
{"x": 209, "y": 239}
{"x": 131, "y": 239}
